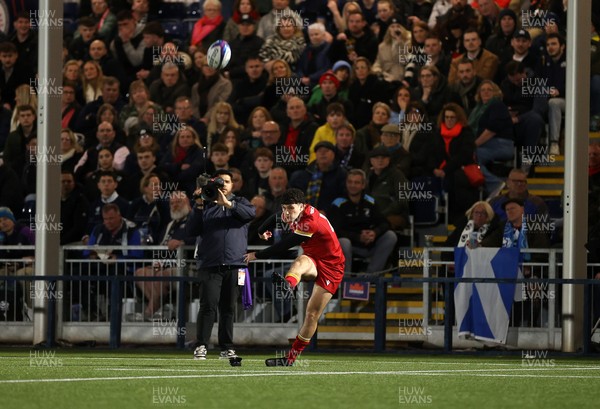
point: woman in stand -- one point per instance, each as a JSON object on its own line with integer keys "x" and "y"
{"x": 454, "y": 147}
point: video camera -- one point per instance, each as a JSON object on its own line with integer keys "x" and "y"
{"x": 210, "y": 187}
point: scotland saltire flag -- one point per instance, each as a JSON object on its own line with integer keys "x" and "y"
{"x": 483, "y": 309}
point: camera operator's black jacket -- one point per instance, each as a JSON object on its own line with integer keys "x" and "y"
{"x": 224, "y": 232}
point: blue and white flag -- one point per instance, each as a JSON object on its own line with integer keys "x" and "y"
{"x": 483, "y": 309}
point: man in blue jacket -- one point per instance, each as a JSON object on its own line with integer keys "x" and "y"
{"x": 223, "y": 226}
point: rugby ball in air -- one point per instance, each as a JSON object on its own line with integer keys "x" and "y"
{"x": 218, "y": 55}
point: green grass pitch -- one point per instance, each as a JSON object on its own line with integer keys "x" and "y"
{"x": 158, "y": 379}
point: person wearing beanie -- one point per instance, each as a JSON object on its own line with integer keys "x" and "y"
{"x": 499, "y": 42}
{"x": 324, "y": 94}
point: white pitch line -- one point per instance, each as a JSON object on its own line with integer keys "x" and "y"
{"x": 335, "y": 361}
{"x": 291, "y": 373}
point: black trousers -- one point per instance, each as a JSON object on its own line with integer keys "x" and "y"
{"x": 219, "y": 291}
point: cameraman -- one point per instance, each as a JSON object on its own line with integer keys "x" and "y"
{"x": 223, "y": 226}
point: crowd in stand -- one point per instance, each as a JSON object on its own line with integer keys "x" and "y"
{"x": 403, "y": 90}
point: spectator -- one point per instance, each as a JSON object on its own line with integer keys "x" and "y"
{"x": 87, "y": 119}
{"x": 467, "y": 84}
{"x": 490, "y": 17}
{"x": 346, "y": 155}
{"x": 13, "y": 233}
{"x": 298, "y": 131}
{"x": 237, "y": 181}
{"x": 128, "y": 45}
{"x": 268, "y": 23}
{"x": 247, "y": 91}
{"x": 70, "y": 150}
{"x": 244, "y": 46}
{"x": 223, "y": 224}
{"x": 365, "y": 91}
{"x": 14, "y": 150}
{"x": 262, "y": 214}
{"x": 341, "y": 19}
{"x": 209, "y": 28}
{"x": 107, "y": 184}
{"x": 554, "y": 69}
{"x": 287, "y": 43}
{"x": 362, "y": 230}
{"x": 522, "y": 52}
{"x": 420, "y": 32}
{"x": 434, "y": 55}
{"x": 479, "y": 220}
{"x": 384, "y": 186}
{"x": 528, "y": 124}
{"x": 252, "y": 134}
{"x": 278, "y": 182}
{"x": 230, "y": 138}
{"x": 12, "y": 73}
{"x": 433, "y": 91}
{"x": 169, "y": 87}
{"x": 454, "y": 148}
{"x": 212, "y": 87}
{"x": 105, "y": 164}
{"x": 326, "y": 93}
{"x": 112, "y": 230}
{"x": 499, "y": 43}
{"x": 92, "y": 80}
{"x": 23, "y": 96}
{"x": 139, "y": 10}
{"x": 272, "y": 94}
{"x": 139, "y": 101}
{"x": 173, "y": 236}
{"x": 257, "y": 178}
{"x": 219, "y": 158}
{"x": 516, "y": 233}
{"x": 106, "y": 21}
{"x": 270, "y": 137}
{"x": 145, "y": 161}
{"x": 400, "y": 102}
{"x": 184, "y": 114}
{"x": 108, "y": 113}
{"x": 336, "y": 116}
{"x": 484, "y": 62}
{"x": 155, "y": 52}
{"x": 356, "y": 41}
{"x": 323, "y": 179}
{"x": 516, "y": 185}
{"x": 85, "y": 34}
{"x": 390, "y": 139}
{"x": 73, "y": 209}
{"x": 418, "y": 139}
{"x": 459, "y": 17}
{"x": 69, "y": 106}
{"x": 149, "y": 213}
{"x": 185, "y": 159}
{"x": 221, "y": 116}
{"x": 493, "y": 131}
{"x": 106, "y": 138}
{"x": 386, "y": 11}
{"x": 369, "y": 135}
{"x": 110, "y": 67}
{"x": 243, "y": 11}
{"x": 314, "y": 60}
{"x": 392, "y": 53}
{"x": 26, "y": 41}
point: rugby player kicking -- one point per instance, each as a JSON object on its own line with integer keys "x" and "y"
{"x": 322, "y": 261}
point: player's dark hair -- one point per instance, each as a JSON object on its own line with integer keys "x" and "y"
{"x": 293, "y": 196}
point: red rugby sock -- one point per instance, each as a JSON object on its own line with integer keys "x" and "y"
{"x": 297, "y": 348}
